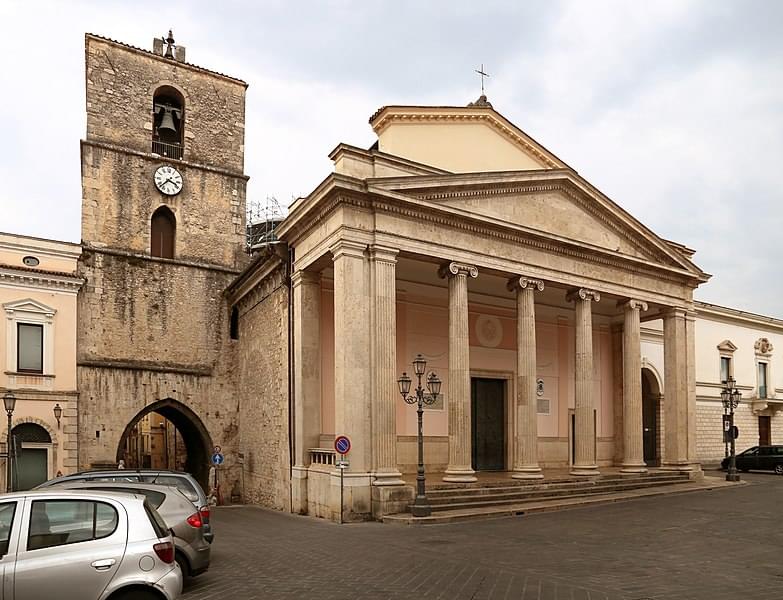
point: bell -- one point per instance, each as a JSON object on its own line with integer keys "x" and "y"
{"x": 167, "y": 122}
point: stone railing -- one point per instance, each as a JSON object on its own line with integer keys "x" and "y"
{"x": 322, "y": 456}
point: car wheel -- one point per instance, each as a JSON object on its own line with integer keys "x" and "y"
{"x": 183, "y": 565}
{"x": 779, "y": 469}
{"x": 136, "y": 594}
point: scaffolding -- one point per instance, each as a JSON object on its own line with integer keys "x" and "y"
{"x": 263, "y": 217}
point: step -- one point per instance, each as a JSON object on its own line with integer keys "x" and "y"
{"x": 528, "y": 508}
{"x": 470, "y": 503}
{"x": 511, "y": 496}
{"x": 444, "y": 486}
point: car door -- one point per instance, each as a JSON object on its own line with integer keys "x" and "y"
{"x": 748, "y": 459}
{"x": 765, "y": 459}
{"x": 10, "y": 516}
{"x": 70, "y": 548}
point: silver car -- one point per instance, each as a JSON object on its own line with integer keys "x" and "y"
{"x": 187, "y": 527}
{"x": 82, "y": 545}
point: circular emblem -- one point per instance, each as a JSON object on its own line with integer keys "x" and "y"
{"x": 489, "y": 331}
{"x": 31, "y": 261}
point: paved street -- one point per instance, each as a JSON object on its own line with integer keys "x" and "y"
{"x": 724, "y": 544}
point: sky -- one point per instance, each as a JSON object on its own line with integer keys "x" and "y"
{"x": 674, "y": 109}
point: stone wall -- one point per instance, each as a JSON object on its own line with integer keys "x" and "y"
{"x": 121, "y": 81}
{"x": 262, "y": 360}
{"x": 710, "y": 434}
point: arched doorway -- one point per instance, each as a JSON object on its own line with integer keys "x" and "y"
{"x": 34, "y": 455}
{"x": 651, "y": 406}
{"x": 167, "y": 435}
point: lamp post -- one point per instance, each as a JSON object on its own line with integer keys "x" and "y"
{"x": 730, "y": 396}
{"x": 58, "y": 413}
{"x": 421, "y": 506}
{"x": 9, "y": 403}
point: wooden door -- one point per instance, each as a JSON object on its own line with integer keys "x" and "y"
{"x": 765, "y": 438}
{"x": 488, "y": 414}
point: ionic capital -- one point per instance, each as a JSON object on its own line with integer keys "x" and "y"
{"x": 632, "y": 304}
{"x": 455, "y": 268}
{"x": 583, "y": 294}
{"x": 524, "y": 283}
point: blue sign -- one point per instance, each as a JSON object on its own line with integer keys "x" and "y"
{"x": 342, "y": 444}
{"x": 217, "y": 458}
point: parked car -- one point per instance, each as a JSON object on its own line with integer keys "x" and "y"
{"x": 85, "y": 545}
{"x": 761, "y": 458}
{"x": 192, "y": 551}
{"x": 184, "y": 482}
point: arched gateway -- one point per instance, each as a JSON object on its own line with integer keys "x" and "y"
{"x": 187, "y": 425}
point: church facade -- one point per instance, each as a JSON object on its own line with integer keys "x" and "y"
{"x": 564, "y": 331}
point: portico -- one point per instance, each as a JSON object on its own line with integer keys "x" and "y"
{"x": 513, "y": 272}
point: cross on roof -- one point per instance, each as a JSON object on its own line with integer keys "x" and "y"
{"x": 483, "y": 75}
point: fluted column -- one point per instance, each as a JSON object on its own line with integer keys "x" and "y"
{"x": 385, "y": 394}
{"x": 526, "y": 408}
{"x": 633, "y": 445}
{"x": 679, "y": 399}
{"x": 352, "y": 384}
{"x": 584, "y": 406}
{"x": 458, "y": 400}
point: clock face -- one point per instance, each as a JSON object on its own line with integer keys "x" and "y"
{"x": 168, "y": 180}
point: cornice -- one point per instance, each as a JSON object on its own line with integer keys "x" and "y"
{"x": 26, "y": 278}
{"x": 162, "y": 159}
{"x": 726, "y": 314}
{"x": 137, "y": 365}
{"x": 87, "y": 247}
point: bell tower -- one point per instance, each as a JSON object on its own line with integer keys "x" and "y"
{"x": 163, "y": 234}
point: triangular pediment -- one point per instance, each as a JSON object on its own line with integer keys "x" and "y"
{"x": 28, "y": 305}
{"x": 726, "y": 346}
{"x": 558, "y": 205}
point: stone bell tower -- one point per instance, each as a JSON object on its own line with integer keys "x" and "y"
{"x": 163, "y": 234}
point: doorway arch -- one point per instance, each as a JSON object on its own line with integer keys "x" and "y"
{"x": 651, "y": 410}
{"x": 33, "y": 462}
{"x": 195, "y": 436}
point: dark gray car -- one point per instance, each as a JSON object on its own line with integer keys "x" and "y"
{"x": 184, "y": 482}
{"x": 192, "y": 551}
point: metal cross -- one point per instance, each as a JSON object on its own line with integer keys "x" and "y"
{"x": 483, "y": 75}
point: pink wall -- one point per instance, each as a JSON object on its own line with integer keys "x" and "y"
{"x": 423, "y": 326}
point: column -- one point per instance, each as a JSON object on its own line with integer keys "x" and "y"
{"x": 352, "y": 385}
{"x": 306, "y": 287}
{"x": 676, "y": 391}
{"x": 584, "y": 405}
{"x": 385, "y": 393}
{"x": 633, "y": 444}
{"x": 460, "y": 436}
{"x": 526, "y": 408}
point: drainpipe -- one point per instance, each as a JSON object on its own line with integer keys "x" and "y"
{"x": 291, "y": 390}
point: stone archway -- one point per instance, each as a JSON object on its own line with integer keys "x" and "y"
{"x": 194, "y": 435}
{"x": 651, "y": 412}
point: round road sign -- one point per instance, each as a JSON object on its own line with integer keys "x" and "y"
{"x": 217, "y": 458}
{"x": 342, "y": 444}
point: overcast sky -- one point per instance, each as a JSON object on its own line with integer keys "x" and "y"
{"x": 674, "y": 109}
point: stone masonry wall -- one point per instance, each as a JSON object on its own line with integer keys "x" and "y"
{"x": 263, "y": 391}
{"x": 121, "y": 81}
{"x": 710, "y": 433}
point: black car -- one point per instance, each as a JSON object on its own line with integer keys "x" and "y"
{"x": 761, "y": 458}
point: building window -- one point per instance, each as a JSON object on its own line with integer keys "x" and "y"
{"x": 29, "y": 349}
{"x": 234, "y": 325}
{"x": 725, "y": 368}
{"x": 163, "y": 230}
{"x": 168, "y": 129}
{"x": 762, "y": 380}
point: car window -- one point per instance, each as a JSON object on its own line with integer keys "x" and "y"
{"x": 182, "y": 484}
{"x": 7, "y": 511}
{"x": 116, "y": 479}
{"x": 155, "y": 498}
{"x": 158, "y": 524}
{"x": 765, "y": 451}
{"x": 61, "y": 522}
{"x": 778, "y": 450}
{"x": 751, "y": 452}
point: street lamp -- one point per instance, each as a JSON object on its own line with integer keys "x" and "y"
{"x": 730, "y": 396}
{"x": 9, "y": 403}
{"x": 421, "y": 506}
{"x": 58, "y": 413}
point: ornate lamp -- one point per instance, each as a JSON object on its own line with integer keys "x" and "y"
{"x": 58, "y": 413}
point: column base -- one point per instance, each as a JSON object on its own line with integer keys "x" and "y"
{"x": 633, "y": 468}
{"x": 460, "y": 476}
{"x": 389, "y": 499}
{"x": 527, "y": 473}
{"x": 388, "y": 478}
{"x": 585, "y": 470}
{"x": 299, "y": 490}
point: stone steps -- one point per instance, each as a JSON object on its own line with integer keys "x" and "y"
{"x": 494, "y": 499}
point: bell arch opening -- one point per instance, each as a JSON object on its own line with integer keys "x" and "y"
{"x": 168, "y": 130}
{"x": 159, "y": 435}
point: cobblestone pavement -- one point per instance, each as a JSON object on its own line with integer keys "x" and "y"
{"x": 723, "y": 544}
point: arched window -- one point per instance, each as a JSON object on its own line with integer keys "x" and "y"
{"x": 168, "y": 130}
{"x": 163, "y": 231}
